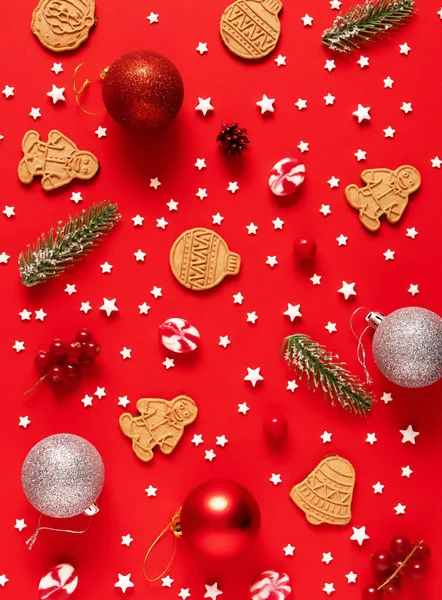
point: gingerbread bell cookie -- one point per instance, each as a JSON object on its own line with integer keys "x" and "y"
{"x": 251, "y": 28}
{"x": 386, "y": 193}
{"x": 57, "y": 161}
{"x": 62, "y": 25}
{"x": 326, "y": 493}
{"x": 200, "y": 259}
{"x": 161, "y": 423}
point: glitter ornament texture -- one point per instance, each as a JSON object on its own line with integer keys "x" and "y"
{"x": 62, "y": 475}
{"x": 143, "y": 90}
{"x": 407, "y": 347}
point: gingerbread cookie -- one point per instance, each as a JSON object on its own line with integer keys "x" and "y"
{"x": 386, "y": 193}
{"x": 62, "y": 25}
{"x": 251, "y": 28}
{"x": 200, "y": 259}
{"x": 58, "y": 161}
{"x": 326, "y": 493}
{"x": 161, "y": 423}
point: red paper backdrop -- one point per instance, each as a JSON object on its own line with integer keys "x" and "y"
{"x": 214, "y": 378}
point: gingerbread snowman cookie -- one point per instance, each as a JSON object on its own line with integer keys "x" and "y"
{"x": 386, "y": 193}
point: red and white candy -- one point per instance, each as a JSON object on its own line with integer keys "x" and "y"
{"x": 286, "y": 176}
{"x": 271, "y": 586}
{"x": 59, "y": 583}
{"x": 179, "y": 336}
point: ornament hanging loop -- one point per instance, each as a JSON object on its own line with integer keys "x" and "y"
{"x": 31, "y": 541}
{"x": 175, "y": 527}
{"x": 371, "y": 318}
{"x": 79, "y": 90}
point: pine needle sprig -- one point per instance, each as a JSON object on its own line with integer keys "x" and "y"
{"x": 309, "y": 358}
{"x": 366, "y": 22}
{"x": 63, "y": 246}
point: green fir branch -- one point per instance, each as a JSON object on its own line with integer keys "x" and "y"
{"x": 366, "y": 22}
{"x": 307, "y": 357}
{"x": 60, "y": 248}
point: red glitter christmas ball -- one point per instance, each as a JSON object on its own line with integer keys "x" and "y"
{"x": 142, "y": 90}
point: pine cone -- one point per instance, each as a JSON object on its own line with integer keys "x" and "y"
{"x": 232, "y": 139}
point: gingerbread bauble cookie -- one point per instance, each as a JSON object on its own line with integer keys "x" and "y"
{"x": 386, "y": 193}
{"x": 62, "y": 25}
{"x": 251, "y": 28}
{"x": 200, "y": 259}
{"x": 326, "y": 493}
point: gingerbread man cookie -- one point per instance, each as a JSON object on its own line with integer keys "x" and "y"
{"x": 386, "y": 193}
{"x": 58, "y": 160}
{"x": 62, "y": 25}
{"x": 161, "y": 423}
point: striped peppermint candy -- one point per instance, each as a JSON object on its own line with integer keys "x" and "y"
{"x": 179, "y": 336}
{"x": 286, "y": 176}
{"x": 59, "y": 583}
{"x": 271, "y": 586}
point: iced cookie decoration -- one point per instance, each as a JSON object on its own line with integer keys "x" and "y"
{"x": 57, "y": 161}
{"x": 251, "y": 28}
{"x": 179, "y": 336}
{"x": 161, "y": 423}
{"x": 62, "y": 25}
{"x": 59, "y": 583}
{"x": 200, "y": 259}
{"x": 271, "y": 585}
{"x": 286, "y": 176}
{"x": 326, "y": 493}
{"x": 386, "y": 193}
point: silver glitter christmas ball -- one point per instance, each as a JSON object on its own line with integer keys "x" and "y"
{"x": 62, "y": 475}
{"x": 407, "y": 347}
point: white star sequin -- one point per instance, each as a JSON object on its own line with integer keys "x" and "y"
{"x": 347, "y": 290}
{"x": 409, "y": 435}
{"x": 253, "y": 375}
{"x": 204, "y": 105}
{"x": 266, "y": 104}
{"x": 359, "y": 535}
{"x": 109, "y": 306}
{"x": 275, "y": 478}
{"x": 56, "y": 94}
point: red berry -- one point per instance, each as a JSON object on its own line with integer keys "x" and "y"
{"x": 90, "y": 350}
{"x": 415, "y": 569}
{"x": 400, "y": 547}
{"x": 85, "y": 361}
{"x": 43, "y": 362}
{"x": 275, "y": 425}
{"x": 305, "y": 248}
{"x": 84, "y": 336}
{"x": 394, "y": 586}
{"x": 58, "y": 350}
{"x": 73, "y": 372}
{"x": 56, "y": 374}
{"x": 371, "y": 592}
{"x": 423, "y": 552}
{"x": 74, "y": 351}
{"x": 382, "y": 563}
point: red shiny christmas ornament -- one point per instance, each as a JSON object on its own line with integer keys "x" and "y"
{"x": 220, "y": 518}
{"x": 275, "y": 425}
{"x": 305, "y": 248}
{"x": 142, "y": 90}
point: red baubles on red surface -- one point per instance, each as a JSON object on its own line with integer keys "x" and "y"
{"x": 143, "y": 90}
{"x": 304, "y": 247}
{"x": 220, "y": 519}
{"x": 286, "y": 176}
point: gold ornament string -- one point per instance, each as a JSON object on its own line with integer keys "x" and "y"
{"x": 401, "y": 566}
{"x": 79, "y": 90}
{"x": 31, "y": 541}
{"x": 175, "y": 527}
{"x": 361, "y": 350}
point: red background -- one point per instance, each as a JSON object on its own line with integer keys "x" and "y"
{"x": 214, "y": 378}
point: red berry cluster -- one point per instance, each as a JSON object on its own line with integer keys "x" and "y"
{"x": 389, "y": 565}
{"x": 62, "y": 362}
